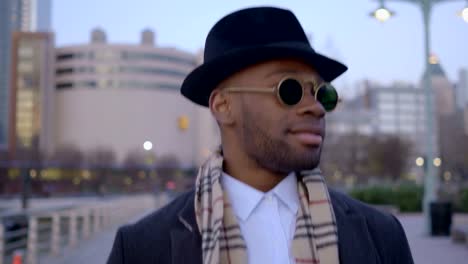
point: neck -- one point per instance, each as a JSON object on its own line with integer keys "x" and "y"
{"x": 238, "y": 165}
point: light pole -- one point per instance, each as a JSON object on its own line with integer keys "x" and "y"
{"x": 430, "y": 180}
{"x": 148, "y": 147}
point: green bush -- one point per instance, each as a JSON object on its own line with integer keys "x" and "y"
{"x": 407, "y": 197}
{"x": 463, "y": 202}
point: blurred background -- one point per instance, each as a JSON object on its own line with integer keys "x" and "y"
{"x": 95, "y": 134}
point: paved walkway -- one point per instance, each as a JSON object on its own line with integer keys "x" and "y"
{"x": 426, "y": 250}
{"x": 93, "y": 251}
{"x": 433, "y": 250}
{"x": 96, "y": 249}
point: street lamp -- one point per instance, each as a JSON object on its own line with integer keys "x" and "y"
{"x": 420, "y": 161}
{"x": 464, "y": 13}
{"x": 382, "y": 13}
{"x": 426, "y": 7}
{"x": 149, "y": 160}
{"x": 147, "y": 145}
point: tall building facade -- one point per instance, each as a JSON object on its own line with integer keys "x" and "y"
{"x": 119, "y": 96}
{"x": 36, "y": 15}
{"x": 31, "y": 96}
{"x": 16, "y": 15}
{"x": 10, "y": 21}
{"x": 444, "y": 91}
{"x": 399, "y": 110}
{"x": 462, "y": 89}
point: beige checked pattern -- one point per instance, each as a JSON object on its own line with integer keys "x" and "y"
{"x": 315, "y": 238}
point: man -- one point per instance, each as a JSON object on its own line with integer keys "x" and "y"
{"x": 262, "y": 198}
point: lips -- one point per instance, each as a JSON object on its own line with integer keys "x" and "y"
{"x": 308, "y": 135}
{"x": 309, "y": 138}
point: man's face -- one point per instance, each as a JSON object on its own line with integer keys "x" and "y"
{"x": 279, "y": 138}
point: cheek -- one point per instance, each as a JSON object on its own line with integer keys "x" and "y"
{"x": 265, "y": 112}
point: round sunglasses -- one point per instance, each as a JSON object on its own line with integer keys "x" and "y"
{"x": 290, "y": 91}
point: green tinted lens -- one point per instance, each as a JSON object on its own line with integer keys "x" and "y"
{"x": 290, "y": 91}
{"x": 327, "y": 96}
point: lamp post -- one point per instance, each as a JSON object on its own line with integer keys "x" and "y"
{"x": 382, "y": 14}
{"x": 148, "y": 146}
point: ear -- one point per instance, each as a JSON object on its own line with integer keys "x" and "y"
{"x": 220, "y": 106}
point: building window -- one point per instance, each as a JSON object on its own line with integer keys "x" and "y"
{"x": 104, "y": 69}
{"x": 65, "y": 85}
{"x": 64, "y": 71}
{"x": 129, "y": 55}
{"x": 148, "y": 85}
{"x": 105, "y": 55}
{"x": 152, "y": 71}
{"x": 68, "y": 56}
{"x": 25, "y": 52}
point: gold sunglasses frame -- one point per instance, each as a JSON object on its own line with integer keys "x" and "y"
{"x": 275, "y": 90}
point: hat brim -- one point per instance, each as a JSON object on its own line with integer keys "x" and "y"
{"x": 199, "y": 84}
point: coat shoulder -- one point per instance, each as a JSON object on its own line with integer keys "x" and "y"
{"x": 147, "y": 239}
{"x": 385, "y": 230}
{"x": 375, "y": 218}
{"x": 163, "y": 218}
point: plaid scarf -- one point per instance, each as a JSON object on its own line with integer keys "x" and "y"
{"x": 315, "y": 238}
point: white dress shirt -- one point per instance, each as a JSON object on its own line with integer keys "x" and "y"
{"x": 267, "y": 220}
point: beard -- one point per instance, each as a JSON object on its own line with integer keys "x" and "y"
{"x": 275, "y": 153}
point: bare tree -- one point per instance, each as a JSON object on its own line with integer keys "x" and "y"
{"x": 102, "y": 159}
{"x": 345, "y": 154}
{"x": 364, "y": 156}
{"x": 67, "y": 156}
{"x": 168, "y": 161}
{"x": 453, "y": 144}
{"x": 389, "y": 156}
{"x": 169, "y": 169}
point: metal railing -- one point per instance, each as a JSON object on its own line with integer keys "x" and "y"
{"x": 50, "y": 232}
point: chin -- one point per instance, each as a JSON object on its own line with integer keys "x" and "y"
{"x": 307, "y": 158}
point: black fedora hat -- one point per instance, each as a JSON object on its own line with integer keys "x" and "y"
{"x": 251, "y": 36}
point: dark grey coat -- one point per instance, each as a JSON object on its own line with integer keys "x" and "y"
{"x": 170, "y": 235}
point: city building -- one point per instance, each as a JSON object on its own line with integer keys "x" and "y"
{"x": 118, "y": 96}
{"x": 399, "y": 110}
{"x": 36, "y": 15}
{"x": 16, "y": 15}
{"x": 346, "y": 120}
{"x": 444, "y": 92}
{"x": 9, "y": 22}
{"x": 462, "y": 89}
{"x": 31, "y": 95}
{"x": 465, "y": 117}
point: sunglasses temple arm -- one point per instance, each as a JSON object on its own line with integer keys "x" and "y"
{"x": 251, "y": 90}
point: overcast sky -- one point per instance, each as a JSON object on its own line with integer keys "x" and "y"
{"x": 342, "y": 29}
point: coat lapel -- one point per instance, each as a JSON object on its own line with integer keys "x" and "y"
{"x": 354, "y": 242}
{"x": 186, "y": 239}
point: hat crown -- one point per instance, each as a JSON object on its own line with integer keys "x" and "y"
{"x": 253, "y": 27}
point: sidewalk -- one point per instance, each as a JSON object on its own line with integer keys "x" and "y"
{"x": 426, "y": 250}
{"x": 432, "y": 250}
{"x": 96, "y": 249}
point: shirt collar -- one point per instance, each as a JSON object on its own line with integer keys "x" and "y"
{"x": 245, "y": 198}
{"x": 287, "y": 192}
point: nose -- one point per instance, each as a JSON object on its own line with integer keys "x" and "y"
{"x": 309, "y": 105}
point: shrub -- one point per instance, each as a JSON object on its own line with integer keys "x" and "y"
{"x": 463, "y": 201}
{"x": 407, "y": 197}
